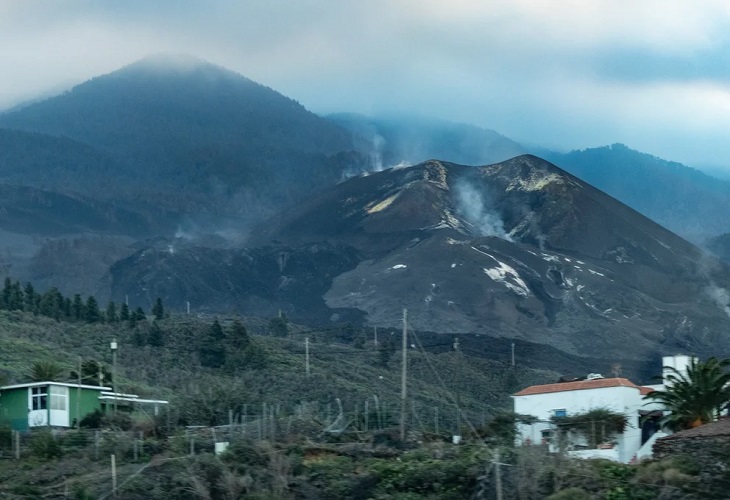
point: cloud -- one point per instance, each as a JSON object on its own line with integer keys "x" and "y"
{"x": 653, "y": 74}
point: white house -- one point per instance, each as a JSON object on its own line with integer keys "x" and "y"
{"x": 618, "y": 395}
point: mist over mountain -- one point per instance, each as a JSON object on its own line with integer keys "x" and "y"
{"x": 194, "y": 136}
{"x": 685, "y": 200}
{"x": 57, "y": 164}
{"x": 411, "y": 140}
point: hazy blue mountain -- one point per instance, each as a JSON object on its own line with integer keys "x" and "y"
{"x": 687, "y": 201}
{"x": 194, "y": 136}
{"x": 411, "y": 140}
{"x": 720, "y": 246}
{"x": 56, "y": 164}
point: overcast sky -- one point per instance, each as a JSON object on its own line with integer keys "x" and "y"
{"x": 652, "y": 74}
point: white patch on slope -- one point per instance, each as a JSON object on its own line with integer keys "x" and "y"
{"x": 448, "y": 222}
{"x": 503, "y": 272}
{"x": 377, "y": 207}
{"x": 550, "y": 258}
{"x": 535, "y": 182}
{"x": 399, "y": 266}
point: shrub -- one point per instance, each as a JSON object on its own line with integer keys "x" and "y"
{"x": 570, "y": 494}
{"x": 44, "y": 445}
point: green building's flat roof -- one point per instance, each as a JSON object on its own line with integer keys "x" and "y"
{"x": 64, "y": 384}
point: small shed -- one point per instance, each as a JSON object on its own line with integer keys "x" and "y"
{"x": 40, "y": 404}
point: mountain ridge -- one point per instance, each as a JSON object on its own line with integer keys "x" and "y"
{"x": 562, "y": 263}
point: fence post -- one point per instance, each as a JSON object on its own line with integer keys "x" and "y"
{"x": 96, "y": 445}
{"x": 17, "y": 445}
{"x": 114, "y": 476}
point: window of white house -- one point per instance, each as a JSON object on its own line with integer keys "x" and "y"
{"x": 546, "y": 436}
{"x": 59, "y": 398}
{"x": 560, "y": 413}
{"x": 38, "y": 398}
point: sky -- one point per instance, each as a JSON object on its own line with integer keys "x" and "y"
{"x": 568, "y": 74}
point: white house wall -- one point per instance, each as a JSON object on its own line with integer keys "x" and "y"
{"x": 621, "y": 399}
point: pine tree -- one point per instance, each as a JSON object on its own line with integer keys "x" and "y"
{"x": 239, "y": 337}
{"x": 157, "y": 310}
{"x": 31, "y": 299}
{"x": 77, "y": 308}
{"x": 16, "y": 297}
{"x": 66, "y": 308}
{"x": 136, "y": 315}
{"x": 139, "y": 314}
{"x": 7, "y": 290}
{"x": 156, "y": 337}
{"x": 91, "y": 310}
{"x": 213, "y": 354}
{"x": 124, "y": 312}
{"x": 111, "y": 313}
{"x": 279, "y": 327}
{"x": 50, "y": 304}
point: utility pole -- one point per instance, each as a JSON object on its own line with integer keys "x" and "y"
{"x": 306, "y": 354}
{"x": 78, "y": 397}
{"x": 498, "y": 475}
{"x": 114, "y": 476}
{"x": 376, "y": 335}
{"x": 513, "y": 354}
{"x": 403, "y": 378}
{"x": 458, "y": 393}
{"x": 113, "y": 346}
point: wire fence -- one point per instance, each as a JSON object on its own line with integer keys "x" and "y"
{"x": 267, "y": 422}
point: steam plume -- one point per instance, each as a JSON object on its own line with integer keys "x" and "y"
{"x": 472, "y": 205}
{"x": 721, "y": 297}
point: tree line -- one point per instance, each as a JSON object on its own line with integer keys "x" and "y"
{"x": 54, "y": 304}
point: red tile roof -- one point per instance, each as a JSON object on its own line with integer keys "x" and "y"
{"x": 645, "y": 390}
{"x": 578, "y": 385}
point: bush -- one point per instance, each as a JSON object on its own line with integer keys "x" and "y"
{"x": 6, "y": 437}
{"x": 44, "y": 445}
{"x": 92, "y": 420}
{"x": 570, "y": 494}
{"x": 244, "y": 453}
{"x": 75, "y": 439}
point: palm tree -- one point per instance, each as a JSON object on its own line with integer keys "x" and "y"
{"x": 695, "y": 397}
{"x": 45, "y": 371}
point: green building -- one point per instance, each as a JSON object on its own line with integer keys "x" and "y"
{"x": 60, "y": 404}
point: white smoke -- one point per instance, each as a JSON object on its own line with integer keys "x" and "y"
{"x": 720, "y": 296}
{"x": 376, "y": 153}
{"x": 707, "y": 266}
{"x": 375, "y": 160}
{"x": 473, "y": 206}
